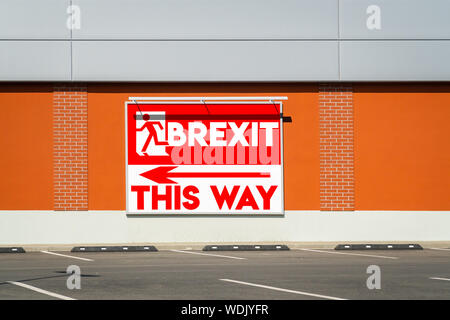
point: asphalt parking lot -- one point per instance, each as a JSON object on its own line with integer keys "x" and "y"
{"x": 188, "y": 274}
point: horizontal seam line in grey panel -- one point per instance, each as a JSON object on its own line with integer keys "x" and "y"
{"x": 395, "y": 39}
{"x": 168, "y": 40}
{"x": 221, "y": 40}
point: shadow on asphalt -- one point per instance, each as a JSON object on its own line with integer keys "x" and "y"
{"x": 63, "y": 274}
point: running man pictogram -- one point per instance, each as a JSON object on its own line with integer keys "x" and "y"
{"x": 150, "y": 125}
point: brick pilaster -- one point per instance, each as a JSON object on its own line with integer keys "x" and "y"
{"x": 70, "y": 140}
{"x": 337, "y": 188}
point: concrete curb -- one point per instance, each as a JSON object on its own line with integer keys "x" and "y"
{"x": 371, "y": 246}
{"x": 146, "y": 248}
{"x": 201, "y": 245}
{"x": 12, "y": 250}
{"x": 237, "y": 247}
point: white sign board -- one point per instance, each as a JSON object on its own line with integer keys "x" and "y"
{"x": 197, "y": 158}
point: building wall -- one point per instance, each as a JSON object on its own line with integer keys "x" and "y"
{"x": 360, "y": 148}
{"x": 26, "y": 143}
{"x": 369, "y": 130}
{"x": 224, "y": 40}
{"x": 107, "y": 137}
{"x": 400, "y": 135}
{"x": 70, "y": 152}
{"x": 402, "y": 154}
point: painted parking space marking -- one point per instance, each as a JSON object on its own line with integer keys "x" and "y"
{"x": 284, "y": 290}
{"x": 208, "y": 254}
{"x": 350, "y": 254}
{"x": 436, "y": 278}
{"x": 66, "y": 256}
{"x": 52, "y": 294}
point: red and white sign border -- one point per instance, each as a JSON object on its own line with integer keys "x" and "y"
{"x": 211, "y": 100}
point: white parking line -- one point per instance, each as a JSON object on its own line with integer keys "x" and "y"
{"x": 208, "y": 254}
{"x": 63, "y": 255}
{"x": 443, "y": 279}
{"x": 442, "y": 249}
{"x": 350, "y": 254}
{"x": 283, "y": 290}
{"x": 52, "y": 294}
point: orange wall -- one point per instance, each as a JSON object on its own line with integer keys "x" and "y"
{"x": 26, "y": 144}
{"x": 402, "y": 147}
{"x": 107, "y": 138}
{"x": 402, "y": 135}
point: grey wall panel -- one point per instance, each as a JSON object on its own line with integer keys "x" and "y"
{"x": 395, "y": 60}
{"x": 35, "y": 60}
{"x": 204, "y": 60}
{"x": 34, "y": 19}
{"x": 207, "y": 19}
{"x": 400, "y": 19}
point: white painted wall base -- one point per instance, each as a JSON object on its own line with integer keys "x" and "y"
{"x": 48, "y": 227}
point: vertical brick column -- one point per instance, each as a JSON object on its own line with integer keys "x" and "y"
{"x": 337, "y": 188}
{"x": 70, "y": 152}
